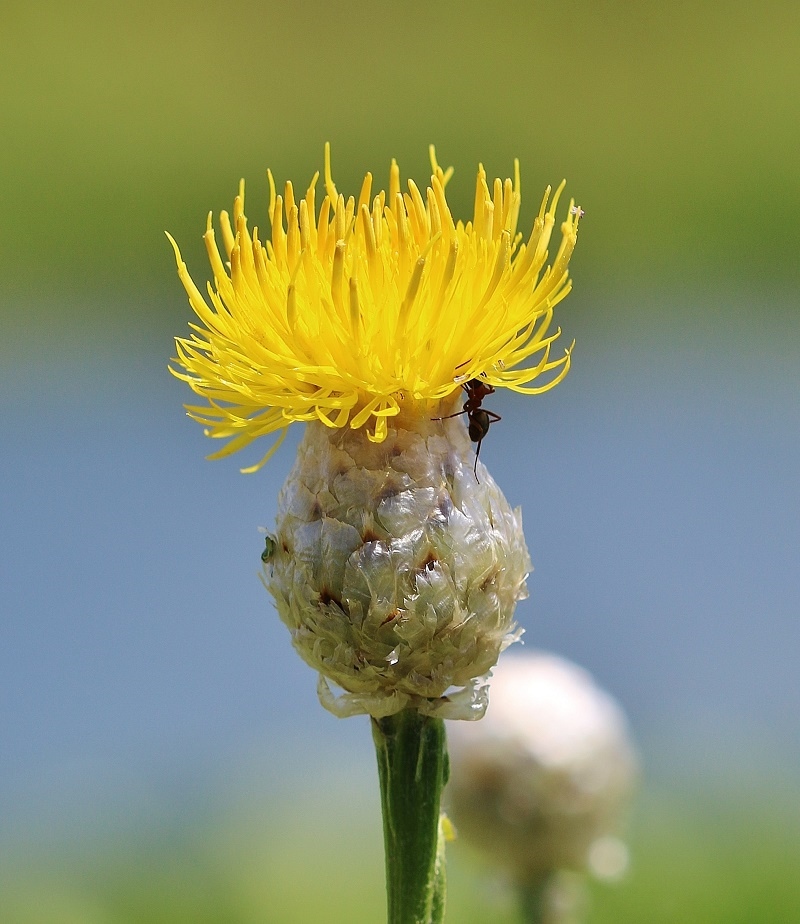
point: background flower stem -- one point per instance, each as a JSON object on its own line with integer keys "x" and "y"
{"x": 412, "y": 767}
{"x": 534, "y": 900}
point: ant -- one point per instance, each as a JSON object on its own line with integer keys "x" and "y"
{"x": 479, "y": 418}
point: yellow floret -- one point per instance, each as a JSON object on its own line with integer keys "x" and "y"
{"x": 345, "y": 314}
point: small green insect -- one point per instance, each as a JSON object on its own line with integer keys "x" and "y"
{"x": 271, "y": 547}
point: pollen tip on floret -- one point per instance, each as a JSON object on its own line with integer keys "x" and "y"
{"x": 557, "y": 195}
{"x": 330, "y": 186}
{"x": 175, "y": 248}
{"x": 432, "y": 156}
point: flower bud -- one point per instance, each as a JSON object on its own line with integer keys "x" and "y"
{"x": 540, "y": 784}
{"x": 397, "y": 567}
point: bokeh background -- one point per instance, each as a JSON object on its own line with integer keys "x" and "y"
{"x": 162, "y": 753}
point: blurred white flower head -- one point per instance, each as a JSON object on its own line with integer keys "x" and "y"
{"x": 541, "y": 783}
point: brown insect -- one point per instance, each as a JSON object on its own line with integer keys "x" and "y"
{"x": 479, "y": 418}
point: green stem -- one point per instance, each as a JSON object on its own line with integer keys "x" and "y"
{"x": 412, "y": 767}
{"x": 533, "y": 899}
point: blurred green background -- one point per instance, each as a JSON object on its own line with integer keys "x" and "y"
{"x": 162, "y": 756}
{"x": 675, "y": 124}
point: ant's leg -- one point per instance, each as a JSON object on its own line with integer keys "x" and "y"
{"x": 492, "y": 416}
{"x": 477, "y": 453}
{"x": 449, "y": 416}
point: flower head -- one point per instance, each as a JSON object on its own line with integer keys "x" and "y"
{"x": 397, "y": 562}
{"x": 349, "y": 314}
{"x": 542, "y": 783}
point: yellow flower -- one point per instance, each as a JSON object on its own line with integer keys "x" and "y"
{"x": 370, "y": 306}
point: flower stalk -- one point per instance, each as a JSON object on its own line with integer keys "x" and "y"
{"x": 413, "y": 769}
{"x": 533, "y": 896}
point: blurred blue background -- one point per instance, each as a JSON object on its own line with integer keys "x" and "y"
{"x": 149, "y": 696}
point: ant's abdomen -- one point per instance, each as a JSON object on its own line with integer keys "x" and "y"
{"x": 478, "y": 425}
